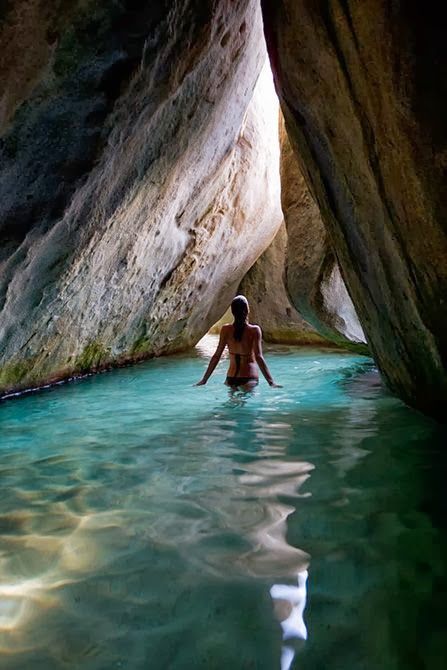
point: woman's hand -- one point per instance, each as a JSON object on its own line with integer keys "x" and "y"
{"x": 275, "y": 386}
{"x": 215, "y": 358}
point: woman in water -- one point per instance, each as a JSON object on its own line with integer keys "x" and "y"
{"x": 244, "y": 342}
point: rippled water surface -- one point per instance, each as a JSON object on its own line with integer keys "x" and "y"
{"x": 147, "y": 524}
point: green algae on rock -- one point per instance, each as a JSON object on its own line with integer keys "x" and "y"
{"x": 92, "y": 357}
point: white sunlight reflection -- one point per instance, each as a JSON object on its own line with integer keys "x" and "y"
{"x": 273, "y": 478}
{"x": 270, "y": 99}
{"x": 17, "y": 599}
{"x": 22, "y": 599}
{"x": 271, "y": 553}
{"x": 292, "y": 600}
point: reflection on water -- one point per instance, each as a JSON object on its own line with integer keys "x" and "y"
{"x": 271, "y": 554}
{"x": 290, "y": 603}
{"x": 159, "y": 525}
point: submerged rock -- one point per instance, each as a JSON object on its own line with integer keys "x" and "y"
{"x": 136, "y": 189}
{"x": 270, "y": 306}
{"x": 363, "y": 92}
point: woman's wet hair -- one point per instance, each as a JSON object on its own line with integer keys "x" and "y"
{"x": 239, "y": 309}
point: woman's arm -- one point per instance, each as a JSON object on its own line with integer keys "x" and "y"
{"x": 260, "y": 360}
{"x": 215, "y": 357}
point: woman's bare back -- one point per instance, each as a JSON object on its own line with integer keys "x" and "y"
{"x": 242, "y": 352}
{"x": 245, "y": 351}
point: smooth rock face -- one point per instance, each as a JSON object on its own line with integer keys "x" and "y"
{"x": 364, "y": 94}
{"x": 314, "y": 282}
{"x": 270, "y": 306}
{"x": 136, "y": 190}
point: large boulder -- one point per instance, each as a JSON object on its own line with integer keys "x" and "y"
{"x": 364, "y": 94}
{"x": 136, "y": 189}
{"x": 313, "y": 276}
{"x": 270, "y": 306}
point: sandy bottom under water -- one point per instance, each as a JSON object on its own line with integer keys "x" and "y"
{"x": 148, "y": 524}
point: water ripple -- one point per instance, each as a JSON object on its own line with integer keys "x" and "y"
{"x": 146, "y": 525}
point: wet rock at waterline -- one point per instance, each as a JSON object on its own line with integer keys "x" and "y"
{"x": 270, "y": 306}
{"x": 136, "y": 188}
{"x": 313, "y": 277}
{"x": 363, "y": 91}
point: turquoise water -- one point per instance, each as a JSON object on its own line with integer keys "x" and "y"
{"x": 148, "y": 524}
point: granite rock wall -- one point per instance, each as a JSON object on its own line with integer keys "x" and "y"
{"x": 270, "y": 305}
{"x": 138, "y": 178}
{"x": 313, "y": 277}
{"x": 363, "y": 91}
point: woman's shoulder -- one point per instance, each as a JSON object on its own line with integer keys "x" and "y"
{"x": 254, "y": 328}
{"x": 226, "y": 329}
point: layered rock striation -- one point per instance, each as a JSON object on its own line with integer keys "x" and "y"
{"x": 363, "y": 92}
{"x": 135, "y": 187}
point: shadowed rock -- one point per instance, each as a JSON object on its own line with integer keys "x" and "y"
{"x": 270, "y": 306}
{"x": 315, "y": 307}
{"x": 363, "y": 91}
{"x": 315, "y": 284}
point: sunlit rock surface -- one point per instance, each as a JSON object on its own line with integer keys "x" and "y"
{"x": 270, "y": 306}
{"x": 313, "y": 277}
{"x": 136, "y": 189}
{"x": 363, "y": 92}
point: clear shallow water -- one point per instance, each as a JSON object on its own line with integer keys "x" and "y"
{"x": 148, "y": 524}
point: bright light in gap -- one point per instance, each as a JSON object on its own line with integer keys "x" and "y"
{"x": 268, "y": 93}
